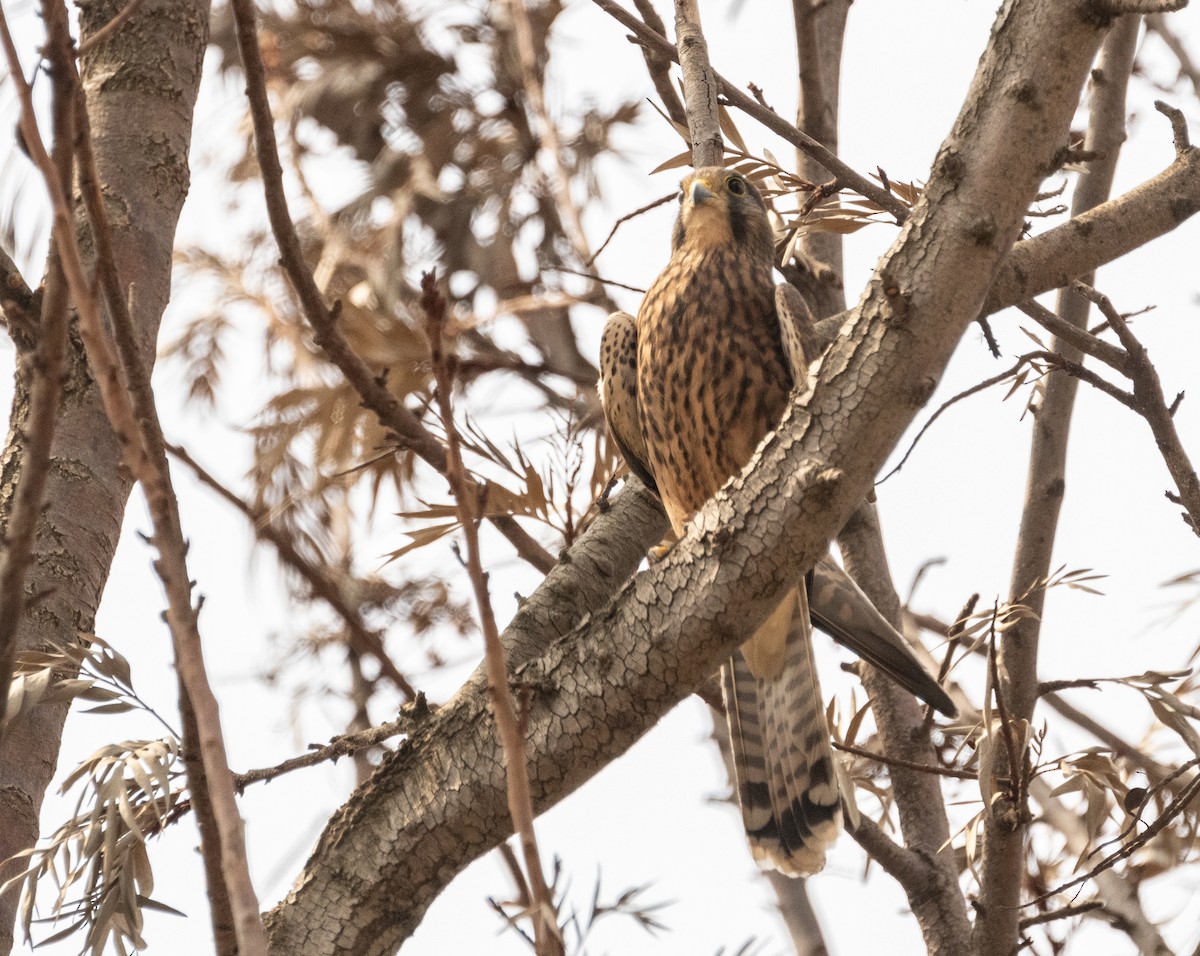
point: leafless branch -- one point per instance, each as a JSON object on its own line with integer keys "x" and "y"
{"x": 659, "y": 66}
{"x": 661, "y": 200}
{"x": 1065, "y": 912}
{"x": 946, "y": 405}
{"x": 113, "y": 25}
{"x": 20, "y": 305}
{"x": 1006, "y": 823}
{"x": 547, "y": 935}
{"x": 320, "y": 584}
{"x": 343, "y": 745}
{"x": 1151, "y": 404}
{"x": 42, "y": 371}
{"x": 909, "y": 764}
{"x": 1077, "y": 337}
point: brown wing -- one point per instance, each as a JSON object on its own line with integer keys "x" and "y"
{"x": 618, "y": 392}
{"x": 847, "y": 615}
{"x": 798, "y": 331}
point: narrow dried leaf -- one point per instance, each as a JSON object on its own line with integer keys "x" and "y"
{"x": 675, "y": 162}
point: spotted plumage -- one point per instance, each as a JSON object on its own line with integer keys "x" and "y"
{"x": 690, "y": 387}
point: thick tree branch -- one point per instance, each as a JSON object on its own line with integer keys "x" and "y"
{"x": 439, "y": 801}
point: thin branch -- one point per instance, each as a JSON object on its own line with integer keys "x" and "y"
{"x": 661, "y": 200}
{"x": 1151, "y": 404}
{"x": 909, "y": 764}
{"x": 911, "y": 871}
{"x": 772, "y": 121}
{"x": 596, "y": 278}
{"x": 659, "y": 66}
{"x": 390, "y": 410}
{"x": 343, "y": 745}
{"x": 966, "y": 393}
{"x": 321, "y": 585}
{"x": 466, "y": 497}
{"x": 20, "y": 304}
{"x": 41, "y": 375}
{"x": 1172, "y": 810}
{"x": 1065, "y": 912}
{"x": 1080, "y": 338}
{"x": 119, "y": 20}
{"x": 131, "y": 410}
{"x": 1157, "y": 23}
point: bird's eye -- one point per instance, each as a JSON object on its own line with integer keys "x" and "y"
{"x": 736, "y": 186}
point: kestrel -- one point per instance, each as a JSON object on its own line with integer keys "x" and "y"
{"x": 690, "y": 387}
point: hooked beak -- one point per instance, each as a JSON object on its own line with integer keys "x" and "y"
{"x": 699, "y": 193}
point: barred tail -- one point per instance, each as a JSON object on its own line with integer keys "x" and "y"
{"x": 782, "y": 758}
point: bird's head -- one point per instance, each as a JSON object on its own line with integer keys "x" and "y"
{"x": 718, "y": 207}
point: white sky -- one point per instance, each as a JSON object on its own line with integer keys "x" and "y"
{"x": 650, "y": 817}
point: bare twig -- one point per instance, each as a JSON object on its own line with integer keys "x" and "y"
{"x": 909, "y": 764}
{"x": 1079, "y": 338}
{"x": 122, "y": 17}
{"x": 1172, "y": 810}
{"x": 343, "y": 745}
{"x": 391, "y": 411}
{"x": 1065, "y": 912}
{"x": 594, "y": 277}
{"x": 320, "y": 584}
{"x": 466, "y": 496}
{"x": 774, "y": 122}
{"x": 625, "y": 218}
{"x": 966, "y": 393}
{"x": 1151, "y": 404}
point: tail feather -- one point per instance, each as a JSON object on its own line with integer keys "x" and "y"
{"x": 782, "y": 758}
